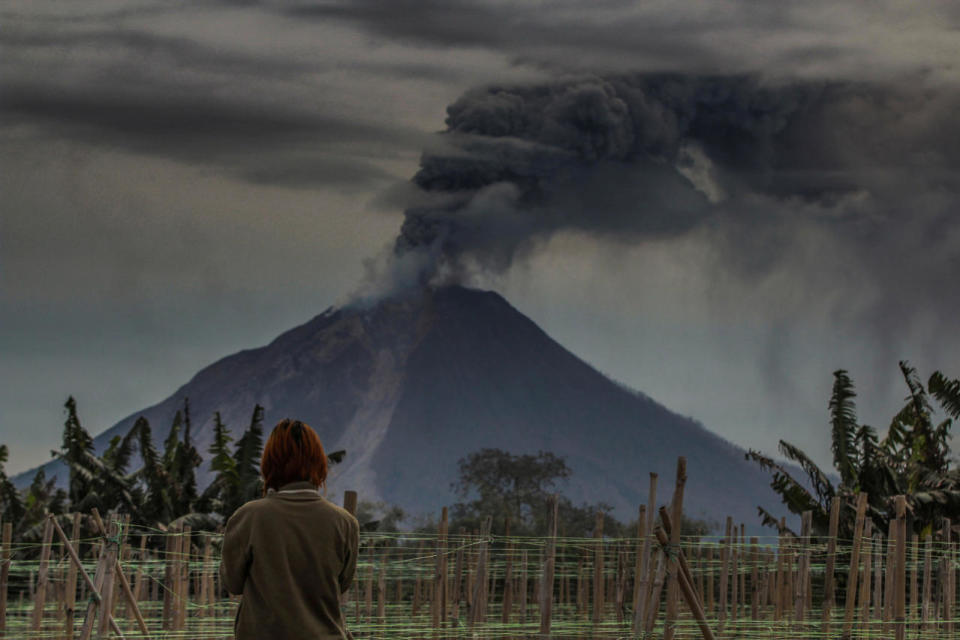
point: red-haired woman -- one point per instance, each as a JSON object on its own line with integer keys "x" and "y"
{"x": 291, "y": 553}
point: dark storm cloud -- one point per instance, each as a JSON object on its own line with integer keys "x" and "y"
{"x": 757, "y": 163}
{"x": 826, "y": 38}
{"x": 254, "y": 116}
{"x": 198, "y": 128}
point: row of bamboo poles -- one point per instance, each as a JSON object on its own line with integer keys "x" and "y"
{"x": 473, "y": 584}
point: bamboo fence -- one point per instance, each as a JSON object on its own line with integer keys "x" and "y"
{"x": 471, "y": 584}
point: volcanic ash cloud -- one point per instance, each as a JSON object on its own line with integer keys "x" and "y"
{"x": 647, "y": 156}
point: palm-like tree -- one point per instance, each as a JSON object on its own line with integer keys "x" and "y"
{"x": 913, "y": 459}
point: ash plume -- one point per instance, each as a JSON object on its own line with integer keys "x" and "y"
{"x": 647, "y": 156}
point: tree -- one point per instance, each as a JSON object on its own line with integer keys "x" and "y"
{"x": 11, "y": 504}
{"x": 503, "y": 484}
{"x": 76, "y": 448}
{"x": 913, "y": 459}
{"x": 216, "y": 498}
{"x": 246, "y": 457}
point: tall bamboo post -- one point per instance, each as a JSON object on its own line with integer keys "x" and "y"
{"x": 725, "y": 553}
{"x": 754, "y": 580}
{"x": 382, "y": 588}
{"x": 927, "y": 581}
{"x": 43, "y": 575}
{"x": 70, "y": 589}
{"x": 438, "y": 604}
{"x": 948, "y": 582}
{"x": 546, "y": 584}
{"x": 673, "y": 586}
{"x": 639, "y": 565}
{"x": 478, "y": 608}
{"x": 854, "y": 562}
{"x": 643, "y": 590}
{"x": 507, "y": 607}
{"x": 867, "y": 545}
{"x": 900, "y": 579}
{"x": 598, "y": 569}
{"x": 523, "y": 586}
{"x": 878, "y": 577}
{"x": 710, "y": 573}
{"x": 829, "y": 589}
{"x": 914, "y": 591}
{"x": 5, "y": 573}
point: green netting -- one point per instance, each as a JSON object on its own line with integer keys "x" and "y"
{"x": 772, "y": 590}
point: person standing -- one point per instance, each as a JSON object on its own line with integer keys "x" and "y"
{"x": 290, "y": 554}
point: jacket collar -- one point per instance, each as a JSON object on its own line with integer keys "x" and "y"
{"x": 299, "y": 489}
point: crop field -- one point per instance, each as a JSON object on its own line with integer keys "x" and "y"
{"x": 471, "y": 584}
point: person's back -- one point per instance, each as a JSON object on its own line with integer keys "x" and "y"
{"x": 290, "y": 555}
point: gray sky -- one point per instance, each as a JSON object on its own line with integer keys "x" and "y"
{"x": 181, "y": 180}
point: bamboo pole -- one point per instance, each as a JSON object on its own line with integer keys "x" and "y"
{"x": 854, "y": 562}
{"x": 5, "y": 574}
{"x": 639, "y": 565}
{"x": 948, "y": 582}
{"x": 900, "y": 578}
{"x": 598, "y": 569}
{"x": 643, "y": 590}
{"x": 70, "y": 588}
{"x": 507, "y": 577}
{"x": 829, "y": 589}
{"x": 523, "y": 586}
{"x": 673, "y": 585}
{"x": 725, "y": 553}
{"x": 865, "y": 583}
{"x": 438, "y": 606}
{"x": 547, "y": 583}
{"x": 480, "y": 591}
{"x": 914, "y": 591}
{"x": 927, "y": 581}
{"x": 43, "y": 575}
{"x": 676, "y": 561}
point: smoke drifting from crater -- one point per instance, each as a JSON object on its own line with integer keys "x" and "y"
{"x": 648, "y": 156}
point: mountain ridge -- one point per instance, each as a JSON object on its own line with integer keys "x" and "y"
{"x": 412, "y": 384}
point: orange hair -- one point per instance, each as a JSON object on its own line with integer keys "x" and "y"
{"x": 293, "y": 453}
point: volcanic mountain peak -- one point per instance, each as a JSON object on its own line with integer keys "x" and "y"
{"x": 413, "y": 383}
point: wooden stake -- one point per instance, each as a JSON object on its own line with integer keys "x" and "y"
{"x": 546, "y": 584}
{"x": 854, "y": 562}
{"x": 5, "y": 574}
{"x": 685, "y": 586}
{"x": 507, "y": 577}
{"x": 829, "y": 590}
{"x": 478, "y": 610}
{"x": 70, "y": 589}
{"x": 725, "y": 554}
{"x": 673, "y": 585}
{"x": 900, "y": 579}
{"x": 598, "y": 568}
{"x": 43, "y": 575}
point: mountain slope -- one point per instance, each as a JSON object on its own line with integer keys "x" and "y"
{"x": 409, "y": 386}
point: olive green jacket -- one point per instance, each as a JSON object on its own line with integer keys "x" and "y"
{"x": 290, "y": 555}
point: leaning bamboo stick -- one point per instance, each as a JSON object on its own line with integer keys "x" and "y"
{"x": 675, "y": 558}
{"x": 673, "y": 586}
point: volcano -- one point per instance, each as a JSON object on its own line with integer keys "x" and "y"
{"x": 410, "y": 385}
